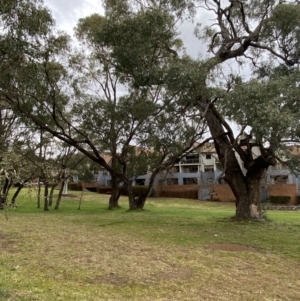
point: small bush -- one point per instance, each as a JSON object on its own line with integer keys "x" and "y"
{"x": 74, "y": 186}
{"x": 280, "y": 199}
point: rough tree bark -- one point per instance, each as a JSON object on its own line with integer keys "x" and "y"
{"x": 135, "y": 202}
{"x": 246, "y": 188}
{"x": 51, "y": 194}
{"x": 4, "y": 193}
{"x": 56, "y": 207}
{"x": 115, "y": 193}
{"x": 46, "y": 194}
{"x": 14, "y": 198}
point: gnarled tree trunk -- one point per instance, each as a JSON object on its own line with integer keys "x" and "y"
{"x": 135, "y": 203}
{"x": 246, "y": 188}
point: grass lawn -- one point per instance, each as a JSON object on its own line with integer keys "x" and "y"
{"x": 175, "y": 249}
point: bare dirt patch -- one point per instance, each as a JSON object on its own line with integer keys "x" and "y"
{"x": 230, "y": 248}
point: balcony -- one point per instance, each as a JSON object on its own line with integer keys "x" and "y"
{"x": 190, "y": 161}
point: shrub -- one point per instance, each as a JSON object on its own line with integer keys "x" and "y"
{"x": 74, "y": 186}
{"x": 139, "y": 190}
{"x": 280, "y": 199}
{"x": 185, "y": 193}
{"x": 104, "y": 190}
{"x": 92, "y": 189}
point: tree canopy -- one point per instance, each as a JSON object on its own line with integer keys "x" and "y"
{"x": 133, "y": 78}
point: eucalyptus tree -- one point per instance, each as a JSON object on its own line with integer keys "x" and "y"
{"x": 141, "y": 129}
{"x": 142, "y": 35}
{"x": 39, "y": 88}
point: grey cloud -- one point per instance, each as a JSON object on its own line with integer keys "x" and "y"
{"x": 67, "y": 13}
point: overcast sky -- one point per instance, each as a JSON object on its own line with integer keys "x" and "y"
{"x": 67, "y": 13}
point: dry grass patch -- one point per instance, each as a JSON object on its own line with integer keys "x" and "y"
{"x": 230, "y": 248}
{"x": 119, "y": 255}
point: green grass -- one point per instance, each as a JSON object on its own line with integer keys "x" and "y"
{"x": 175, "y": 249}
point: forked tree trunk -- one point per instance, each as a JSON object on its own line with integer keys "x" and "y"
{"x": 141, "y": 200}
{"x": 135, "y": 203}
{"x": 246, "y": 188}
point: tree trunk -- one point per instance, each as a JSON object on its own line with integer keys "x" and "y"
{"x": 13, "y": 200}
{"x": 115, "y": 194}
{"x": 2, "y": 202}
{"x": 246, "y": 188}
{"x": 4, "y": 193}
{"x": 80, "y": 200}
{"x": 46, "y": 191}
{"x": 51, "y": 194}
{"x": 135, "y": 203}
{"x": 39, "y": 195}
{"x": 141, "y": 200}
{"x": 59, "y": 196}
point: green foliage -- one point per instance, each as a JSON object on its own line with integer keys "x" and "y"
{"x": 269, "y": 105}
{"x": 282, "y": 30}
{"x": 280, "y": 199}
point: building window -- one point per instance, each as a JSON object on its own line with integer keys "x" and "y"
{"x": 191, "y": 159}
{"x": 140, "y": 182}
{"x": 280, "y": 179}
{"x": 190, "y": 181}
{"x": 172, "y": 181}
{"x": 208, "y": 168}
{"x": 192, "y": 169}
{"x": 208, "y": 156}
